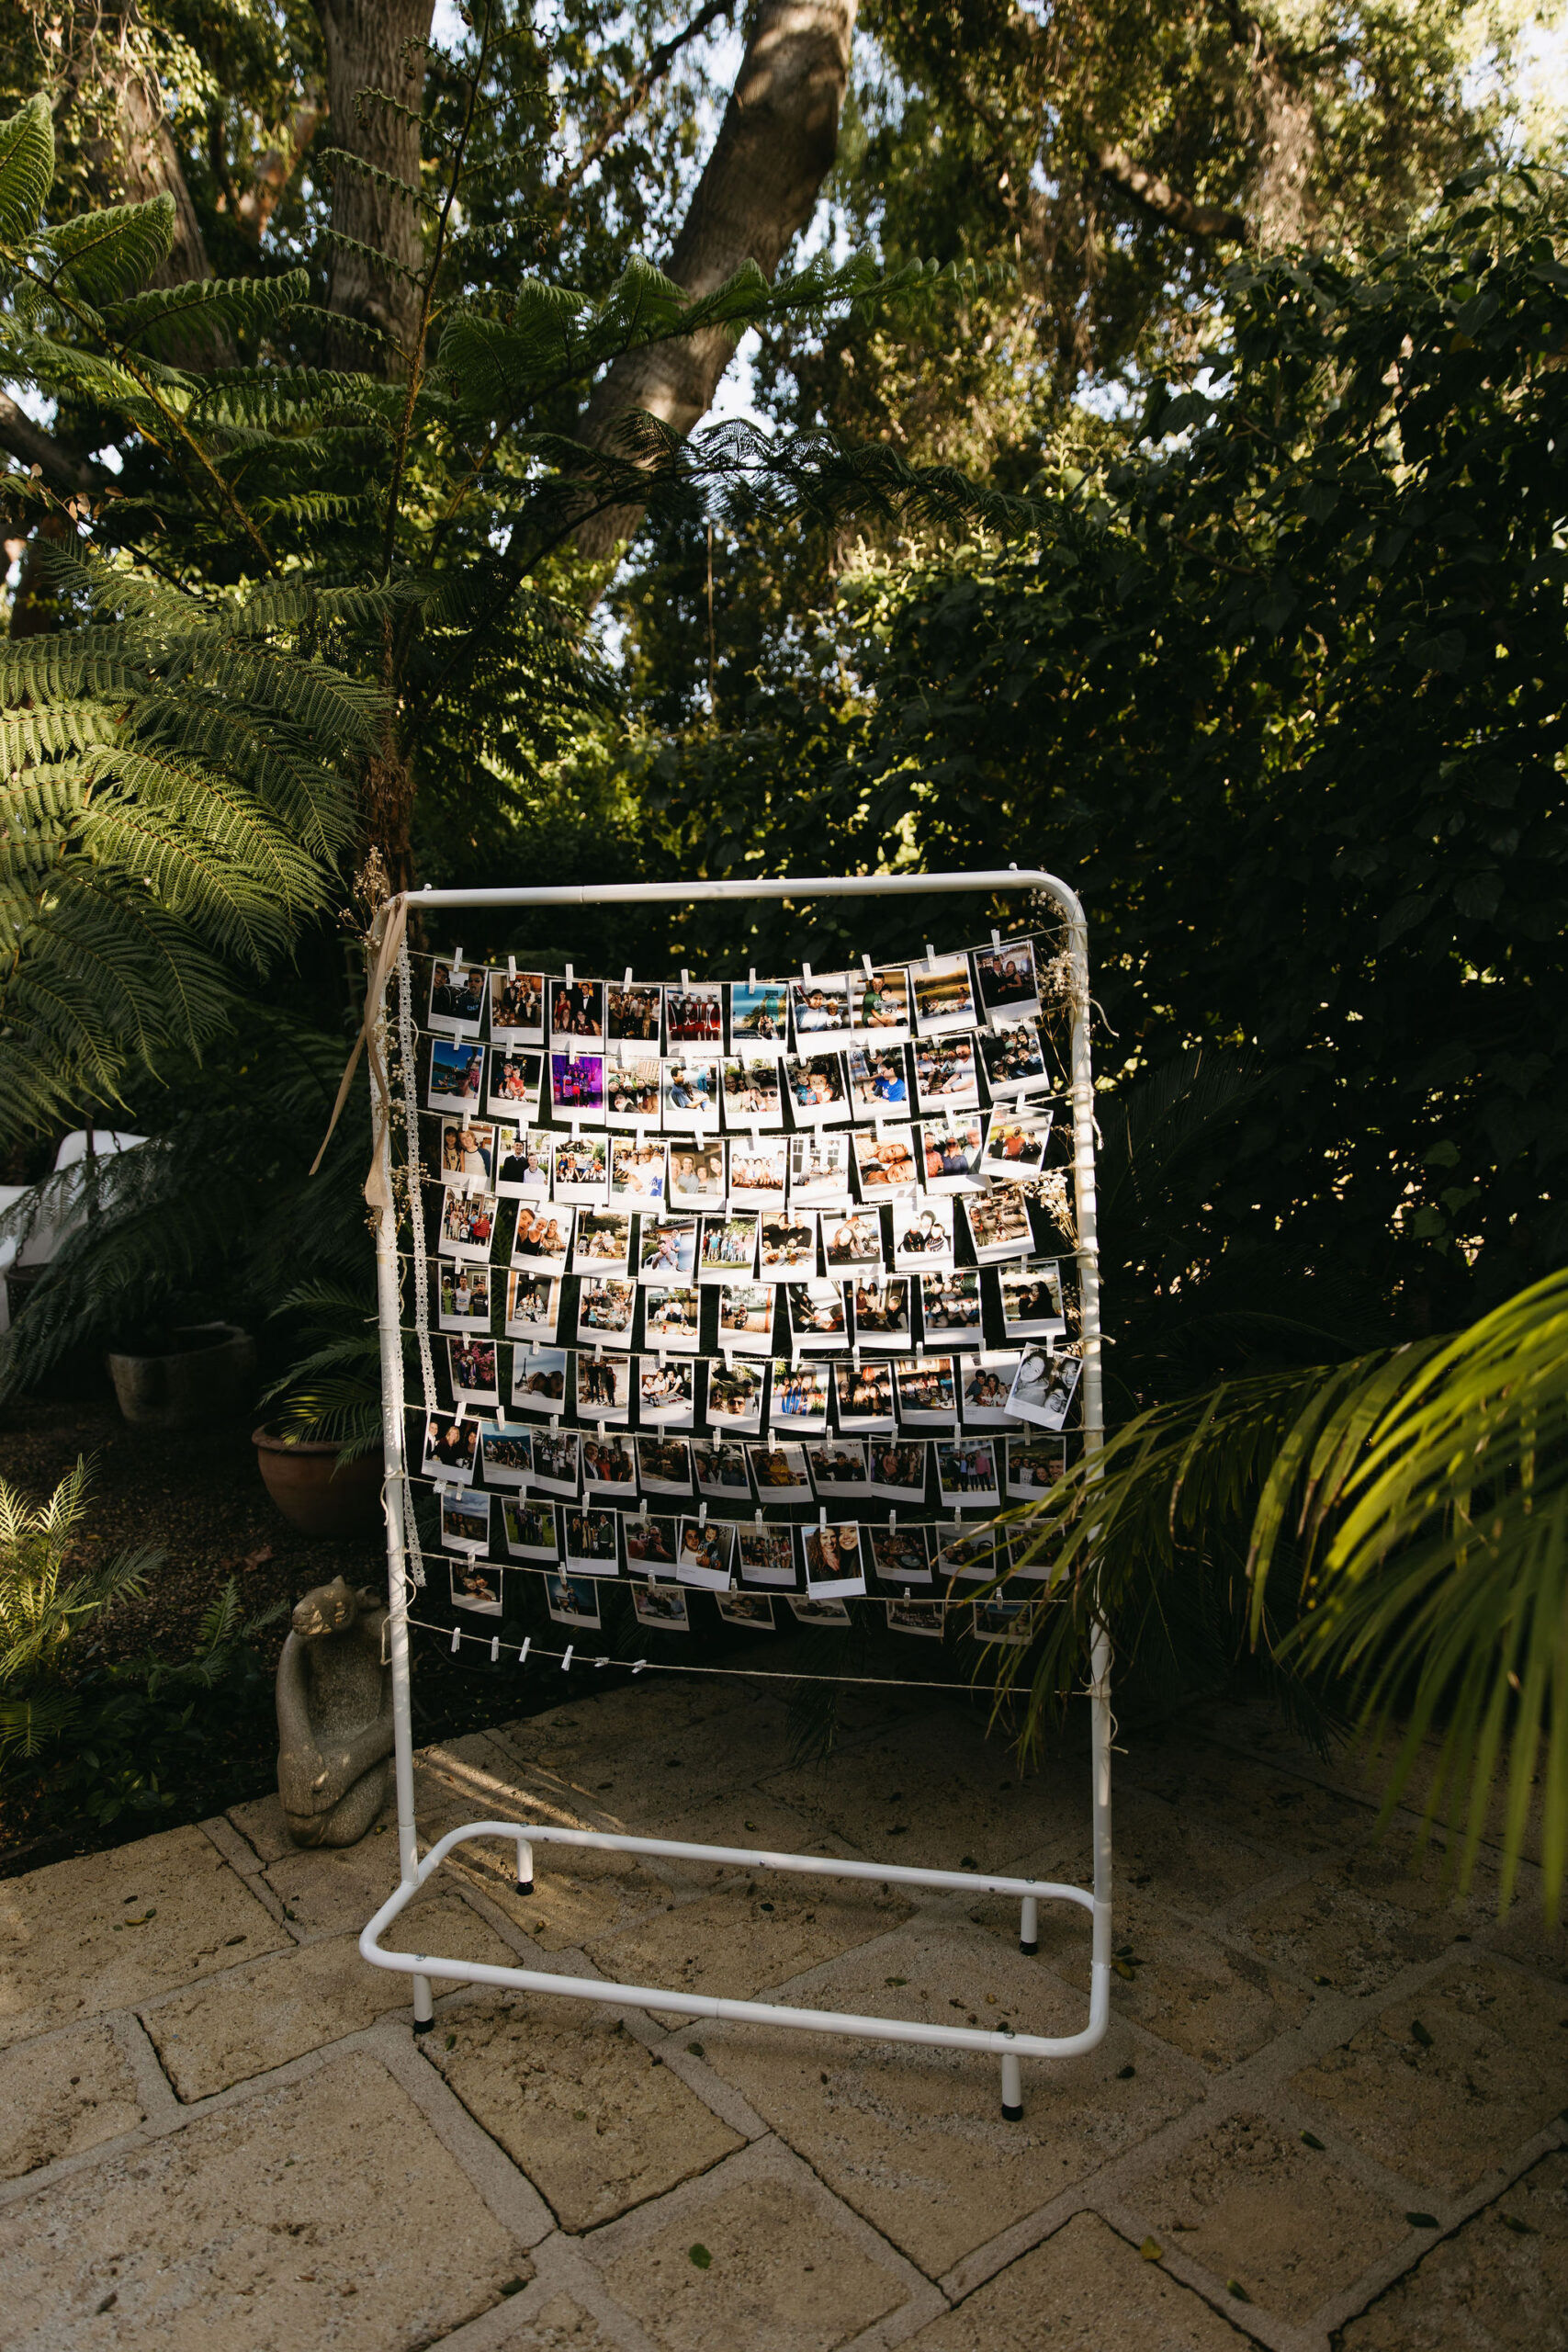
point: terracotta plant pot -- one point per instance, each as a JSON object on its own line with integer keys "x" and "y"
{"x": 305, "y": 1483}
{"x": 188, "y": 1378}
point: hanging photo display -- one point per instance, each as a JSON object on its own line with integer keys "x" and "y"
{"x": 784, "y": 1229}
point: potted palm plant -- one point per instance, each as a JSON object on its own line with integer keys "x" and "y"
{"x": 319, "y": 1453}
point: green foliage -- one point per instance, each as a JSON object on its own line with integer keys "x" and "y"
{"x": 48, "y": 1597}
{"x": 333, "y": 1390}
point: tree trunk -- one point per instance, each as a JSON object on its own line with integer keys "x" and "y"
{"x": 368, "y": 49}
{"x": 758, "y": 188}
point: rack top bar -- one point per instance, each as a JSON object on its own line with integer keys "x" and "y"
{"x": 831, "y": 886}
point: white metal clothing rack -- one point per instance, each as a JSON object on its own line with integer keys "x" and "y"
{"x": 1009, "y": 2047}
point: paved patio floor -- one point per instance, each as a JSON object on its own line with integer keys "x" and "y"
{"x": 1328, "y": 2109}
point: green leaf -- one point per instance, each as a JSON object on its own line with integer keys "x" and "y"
{"x": 104, "y": 256}
{"x": 27, "y": 169}
{"x": 699, "y": 2257}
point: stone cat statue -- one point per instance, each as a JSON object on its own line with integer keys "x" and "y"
{"x": 334, "y": 1716}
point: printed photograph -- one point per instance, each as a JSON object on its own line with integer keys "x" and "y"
{"x": 766, "y": 1556}
{"x": 787, "y": 1243}
{"x": 994, "y": 1620}
{"x": 662, "y": 1608}
{"x": 457, "y": 1074}
{"x": 463, "y": 1293}
{"x": 671, "y": 1317}
{"x": 577, "y": 1085}
{"x": 951, "y": 1151}
{"x": 820, "y": 1008}
{"x": 506, "y": 1456}
{"x": 556, "y": 1455}
{"x": 1044, "y": 1387}
{"x": 951, "y": 1314}
{"x": 926, "y": 1389}
{"x": 839, "y": 1467}
{"x": 898, "y": 1472}
{"x": 517, "y": 1009}
{"x": 605, "y": 1309}
{"x": 759, "y": 1014}
{"x": 818, "y": 1314}
{"x": 694, "y": 1013}
{"x": 922, "y": 1236}
{"x": 632, "y": 1011}
{"x": 1012, "y": 1057}
{"x": 666, "y": 1250}
{"x": 524, "y": 1169}
{"x": 696, "y": 1176}
{"x": 746, "y": 1320}
{"x": 735, "y": 1396}
{"x": 865, "y": 1396}
{"x": 602, "y": 1387}
{"x": 577, "y": 1010}
{"x": 650, "y": 1544}
{"x": 885, "y": 1162}
{"x": 632, "y": 1089}
{"x": 530, "y": 1529}
{"x": 726, "y": 1252}
{"x": 835, "y": 1562}
{"x": 1032, "y": 1298}
{"x": 540, "y": 1240}
{"x": 998, "y": 1224}
{"x": 779, "y": 1471}
{"x": 580, "y": 1167}
{"x": 601, "y": 1241}
{"x": 815, "y": 1084}
{"x": 1033, "y": 1466}
{"x": 877, "y": 1080}
{"x": 1015, "y": 1147}
{"x": 704, "y": 1555}
{"x": 754, "y": 1609}
{"x": 882, "y": 1311}
{"x": 590, "y": 1547}
{"x": 756, "y": 1173}
{"x": 966, "y": 1473}
{"x": 472, "y": 1363}
{"x": 465, "y": 1521}
{"x": 689, "y": 1094}
{"x": 879, "y": 1004}
{"x": 818, "y": 1171}
{"x": 753, "y": 1091}
{"x": 819, "y": 1613}
{"x": 664, "y": 1390}
{"x": 476, "y": 1586}
{"x": 799, "y": 1398}
{"x": 1008, "y": 985}
{"x": 538, "y": 1379}
{"x": 971, "y": 1554}
{"x": 572, "y": 1600}
{"x": 924, "y": 1618}
{"x": 515, "y": 1079}
{"x": 451, "y": 1448}
{"x": 458, "y": 998}
{"x": 947, "y": 1074}
{"x": 901, "y": 1555}
{"x": 637, "y": 1173}
{"x": 985, "y": 1386}
{"x": 852, "y": 1242}
{"x": 720, "y": 1467}
{"x": 664, "y": 1465}
{"x": 944, "y": 999}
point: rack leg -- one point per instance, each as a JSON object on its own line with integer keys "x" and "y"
{"x": 525, "y": 1867}
{"x": 423, "y": 2007}
{"x": 1028, "y": 1927}
{"x": 1012, "y": 2091}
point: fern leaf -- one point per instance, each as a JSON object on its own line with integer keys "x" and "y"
{"x": 27, "y": 169}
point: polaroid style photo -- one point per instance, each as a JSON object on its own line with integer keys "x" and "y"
{"x": 557, "y": 1454}
{"x": 631, "y": 1012}
{"x": 468, "y": 1150}
{"x": 998, "y": 1222}
{"x": 650, "y": 1546}
{"x": 927, "y": 1392}
{"x": 950, "y": 1311}
{"x": 818, "y": 1612}
{"x": 819, "y": 1009}
{"x": 465, "y": 1521}
{"x": 753, "y": 1093}
{"x": 450, "y": 1453}
{"x": 720, "y": 1467}
{"x": 696, "y": 1176}
{"x": 971, "y": 1554}
{"x": 1008, "y": 987}
{"x": 605, "y": 1308}
{"x": 786, "y": 1245}
{"x": 475, "y": 1585}
{"x": 572, "y": 1600}
{"x": 637, "y": 1174}
{"x": 885, "y": 1161}
{"x": 590, "y": 1547}
{"x": 1033, "y": 1466}
{"x": 523, "y": 1172}
{"x": 881, "y": 1307}
{"x": 602, "y": 1242}
{"x": 901, "y": 1555}
{"x": 665, "y": 1392}
{"x": 759, "y": 1172}
{"x": 797, "y": 1400}
{"x": 735, "y": 1398}
{"x": 1032, "y": 1298}
{"x": 529, "y": 1529}
{"x": 689, "y": 1094}
{"x": 666, "y": 1250}
{"x": 951, "y": 1152}
{"x": 745, "y": 1321}
{"x": 704, "y": 1554}
{"x": 1012, "y": 1057}
{"x": 540, "y": 1238}
{"x": 779, "y": 1472}
{"x": 672, "y": 1316}
{"x": 726, "y": 1252}
{"x": 580, "y": 1167}
{"x": 456, "y": 1075}
{"x": 877, "y": 1080}
{"x": 577, "y": 1012}
{"x": 759, "y": 1014}
{"x": 517, "y": 1009}
{"x": 944, "y": 996}
{"x": 506, "y": 1455}
{"x": 602, "y": 1387}
{"x": 664, "y": 1465}
{"x": 946, "y": 1075}
{"x": 819, "y": 1171}
{"x": 985, "y": 1385}
{"x": 838, "y": 1468}
{"x": 922, "y": 1236}
{"x": 766, "y": 1556}
{"x": 835, "y": 1562}
{"x": 662, "y": 1607}
{"x": 967, "y": 1475}
{"x": 694, "y": 1014}
{"x": 818, "y": 1314}
{"x": 473, "y": 1368}
{"x": 815, "y": 1084}
{"x": 538, "y": 1379}
{"x": 994, "y": 1620}
{"x": 516, "y": 1080}
{"x": 898, "y": 1471}
{"x": 457, "y": 993}
{"x": 754, "y": 1609}
{"x": 1015, "y": 1146}
{"x": 576, "y": 1086}
{"x": 463, "y": 1291}
{"x": 879, "y": 1005}
{"x": 852, "y": 1242}
{"x": 632, "y": 1082}
{"x": 1044, "y": 1388}
{"x": 925, "y": 1618}
{"x": 864, "y": 1398}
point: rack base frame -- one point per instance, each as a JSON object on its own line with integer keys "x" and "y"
{"x": 414, "y": 1873}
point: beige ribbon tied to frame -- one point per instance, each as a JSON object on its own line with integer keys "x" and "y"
{"x": 394, "y": 928}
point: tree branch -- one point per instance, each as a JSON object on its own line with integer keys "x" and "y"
{"x": 1167, "y": 204}
{"x": 659, "y": 62}
{"x": 62, "y": 466}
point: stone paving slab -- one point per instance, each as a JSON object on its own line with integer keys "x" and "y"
{"x": 1086, "y": 2290}
{"x": 63, "y": 2095}
{"x": 1500, "y": 2284}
